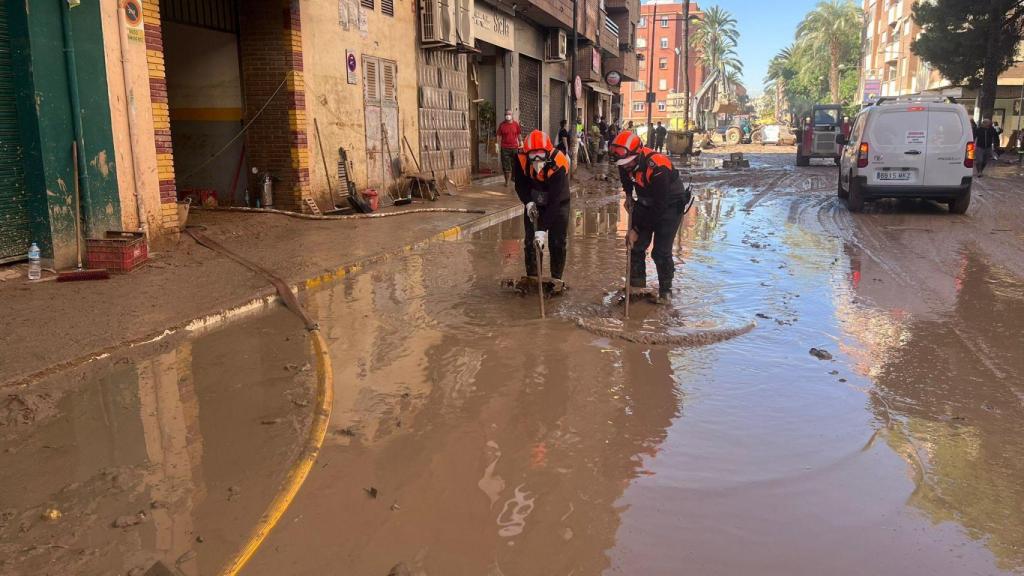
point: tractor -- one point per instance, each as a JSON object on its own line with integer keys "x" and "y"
{"x": 817, "y": 134}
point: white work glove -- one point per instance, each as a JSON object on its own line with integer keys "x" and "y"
{"x": 540, "y": 239}
{"x": 531, "y": 211}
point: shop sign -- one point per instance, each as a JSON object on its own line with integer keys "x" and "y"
{"x": 613, "y": 78}
{"x": 872, "y": 90}
{"x": 133, "y": 20}
{"x": 493, "y": 27}
{"x": 596, "y": 60}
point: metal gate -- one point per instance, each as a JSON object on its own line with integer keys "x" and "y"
{"x": 380, "y": 91}
{"x": 14, "y": 222}
{"x": 529, "y": 93}
{"x": 556, "y": 107}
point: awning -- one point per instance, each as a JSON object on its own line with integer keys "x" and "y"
{"x": 598, "y": 88}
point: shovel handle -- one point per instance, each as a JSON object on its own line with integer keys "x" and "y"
{"x": 629, "y": 259}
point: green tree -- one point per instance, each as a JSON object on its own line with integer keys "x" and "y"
{"x": 971, "y": 42}
{"x": 827, "y": 29}
{"x": 781, "y": 69}
{"x": 715, "y": 36}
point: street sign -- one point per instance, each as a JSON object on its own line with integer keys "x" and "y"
{"x": 651, "y": 98}
{"x": 613, "y": 78}
{"x": 350, "y": 67}
{"x": 133, "y": 20}
{"x": 577, "y": 88}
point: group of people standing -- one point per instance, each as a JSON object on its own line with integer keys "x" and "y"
{"x": 656, "y": 197}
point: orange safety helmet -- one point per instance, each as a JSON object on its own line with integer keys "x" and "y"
{"x": 537, "y": 143}
{"x": 624, "y": 147}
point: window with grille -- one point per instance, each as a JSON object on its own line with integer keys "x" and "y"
{"x": 387, "y": 7}
{"x": 663, "y": 63}
{"x": 664, "y": 21}
{"x": 638, "y": 106}
{"x": 664, "y": 42}
{"x": 368, "y": 4}
{"x": 661, "y": 106}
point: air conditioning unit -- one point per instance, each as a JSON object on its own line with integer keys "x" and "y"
{"x": 557, "y": 45}
{"x": 438, "y": 22}
{"x": 464, "y": 22}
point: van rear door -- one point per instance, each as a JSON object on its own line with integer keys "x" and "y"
{"x": 897, "y": 146}
{"x": 947, "y": 142}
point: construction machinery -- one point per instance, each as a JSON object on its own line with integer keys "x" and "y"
{"x": 817, "y": 134}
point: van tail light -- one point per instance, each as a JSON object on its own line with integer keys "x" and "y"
{"x": 969, "y": 156}
{"x": 862, "y": 155}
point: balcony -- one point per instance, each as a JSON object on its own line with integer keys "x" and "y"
{"x": 616, "y": 6}
{"x": 551, "y": 13}
{"x": 610, "y": 37}
{"x": 627, "y": 64}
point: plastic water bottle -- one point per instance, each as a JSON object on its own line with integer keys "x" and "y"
{"x": 35, "y": 268}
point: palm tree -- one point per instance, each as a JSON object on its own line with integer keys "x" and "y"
{"x": 716, "y": 38}
{"x": 829, "y": 29}
{"x": 781, "y": 69}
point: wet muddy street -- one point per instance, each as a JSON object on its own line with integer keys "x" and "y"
{"x": 470, "y": 437}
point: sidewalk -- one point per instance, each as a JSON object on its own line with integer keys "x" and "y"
{"x": 49, "y": 324}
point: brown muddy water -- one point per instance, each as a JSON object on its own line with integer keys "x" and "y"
{"x": 470, "y": 437}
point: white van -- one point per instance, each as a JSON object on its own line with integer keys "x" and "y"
{"x": 921, "y": 147}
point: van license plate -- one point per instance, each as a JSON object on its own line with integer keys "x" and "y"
{"x": 893, "y": 175}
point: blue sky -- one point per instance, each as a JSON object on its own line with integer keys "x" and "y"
{"x": 765, "y": 26}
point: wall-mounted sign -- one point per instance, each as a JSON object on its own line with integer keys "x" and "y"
{"x": 872, "y": 89}
{"x": 613, "y": 78}
{"x": 350, "y": 67}
{"x": 133, "y": 20}
{"x": 577, "y": 87}
{"x": 493, "y": 27}
{"x": 596, "y": 60}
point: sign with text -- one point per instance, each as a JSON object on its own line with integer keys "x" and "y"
{"x": 674, "y": 104}
{"x": 133, "y": 20}
{"x": 493, "y": 27}
{"x": 872, "y": 89}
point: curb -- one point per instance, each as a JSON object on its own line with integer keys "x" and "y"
{"x": 257, "y": 304}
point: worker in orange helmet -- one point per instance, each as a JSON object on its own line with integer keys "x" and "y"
{"x": 658, "y": 207}
{"x": 541, "y": 176}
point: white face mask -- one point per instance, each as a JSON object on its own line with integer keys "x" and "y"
{"x": 508, "y": 117}
{"x": 538, "y": 164}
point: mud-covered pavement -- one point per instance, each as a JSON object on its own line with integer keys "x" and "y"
{"x": 470, "y": 437}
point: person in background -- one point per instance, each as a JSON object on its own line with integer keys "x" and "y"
{"x": 659, "y": 137}
{"x": 509, "y": 137}
{"x": 563, "y": 138}
{"x": 999, "y": 139}
{"x": 542, "y": 184}
{"x": 629, "y": 126}
{"x": 658, "y": 208}
{"x": 985, "y": 140}
{"x": 652, "y": 137}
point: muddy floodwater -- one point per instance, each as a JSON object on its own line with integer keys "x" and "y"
{"x": 470, "y": 437}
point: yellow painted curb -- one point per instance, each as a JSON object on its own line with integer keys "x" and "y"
{"x": 303, "y": 464}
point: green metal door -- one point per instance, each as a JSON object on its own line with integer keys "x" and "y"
{"x": 14, "y": 225}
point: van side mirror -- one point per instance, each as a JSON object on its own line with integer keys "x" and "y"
{"x": 841, "y": 140}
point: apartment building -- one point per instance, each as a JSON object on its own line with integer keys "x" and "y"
{"x": 659, "y": 46}
{"x": 890, "y": 68}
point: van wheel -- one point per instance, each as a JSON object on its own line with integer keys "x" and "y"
{"x": 855, "y": 198}
{"x": 959, "y": 206}
{"x": 842, "y": 193}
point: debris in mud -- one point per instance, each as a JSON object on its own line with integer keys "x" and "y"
{"x": 763, "y": 316}
{"x": 160, "y": 569}
{"x": 371, "y": 492}
{"x": 348, "y": 432}
{"x": 233, "y": 491}
{"x": 130, "y": 520}
{"x": 270, "y": 421}
{"x": 300, "y": 403}
{"x": 820, "y": 353}
{"x": 187, "y": 556}
{"x": 842, "y": 379}
{"x": 834, "y": 373}
{"x": 400, "y": 569}
{"x": 200, "y": 539}
{"x": 395, "y": 507}
{"x": 609, "y": 328}
{"x": 158, "y": 505}
{"x": 51, "y": 514}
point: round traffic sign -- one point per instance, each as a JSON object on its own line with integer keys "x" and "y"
{"x": 351, "y": 62}
{"x": 613, "y": 78}
{"x": 133, "y": 12}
